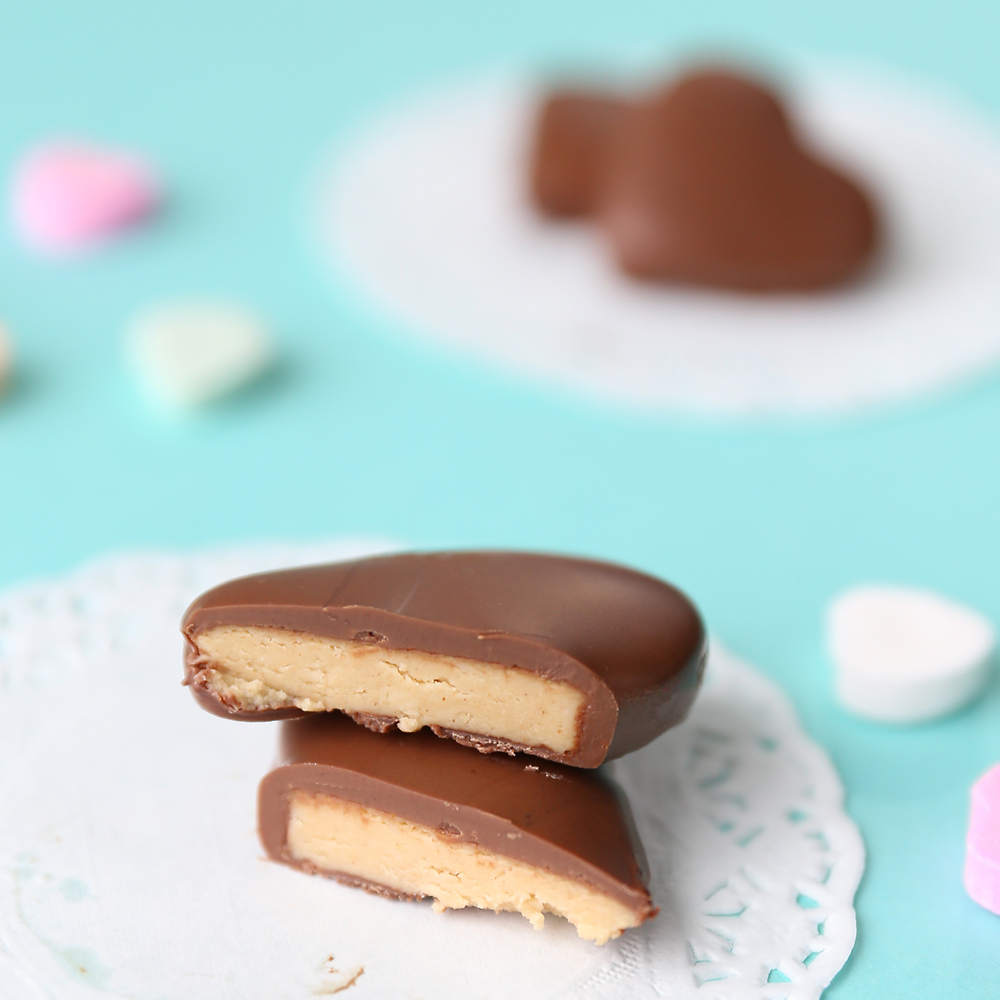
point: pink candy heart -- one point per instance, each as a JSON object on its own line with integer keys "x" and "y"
{"x": 66, "y": 196}
{"x": 982, "y": 864}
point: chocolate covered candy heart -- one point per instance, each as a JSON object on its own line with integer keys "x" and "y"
{"x": 706, "y": 182}
{"x": 982, "y": 863}
{"x": 702, "y": 182}
{"x": 571, "y": 139}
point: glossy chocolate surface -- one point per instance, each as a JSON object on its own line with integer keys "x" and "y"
{"x": 568, "y": 821}
{"x": 634, "y": 645}
{"x": 706, "y": 182}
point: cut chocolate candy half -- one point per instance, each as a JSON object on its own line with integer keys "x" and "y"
{"x": 410, "y": 816}
{"x": 567, "y": 659}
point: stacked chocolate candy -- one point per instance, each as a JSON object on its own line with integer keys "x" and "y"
{"x": 548, "y": 666}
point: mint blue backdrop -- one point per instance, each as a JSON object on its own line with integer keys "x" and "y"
{"x": 362, "y": 431}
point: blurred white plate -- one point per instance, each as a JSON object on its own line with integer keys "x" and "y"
{"x": 426, "y": 210}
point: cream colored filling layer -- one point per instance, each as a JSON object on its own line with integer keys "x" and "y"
{"x": 262, "y": 668}
{"x": 340, "y": 836}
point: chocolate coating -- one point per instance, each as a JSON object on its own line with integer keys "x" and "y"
{"x": 571, "y": 139}
{"x": 571, "y": 822}
{"x": 634, "y": 645}
{"x": 706, "y": 182}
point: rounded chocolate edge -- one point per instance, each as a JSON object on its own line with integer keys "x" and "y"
{"x": 649, "y": 715}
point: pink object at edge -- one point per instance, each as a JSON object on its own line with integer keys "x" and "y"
{"x": 982, "y": 863}
{"x": 66, "y": 196}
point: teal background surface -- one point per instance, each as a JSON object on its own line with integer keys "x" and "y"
{"x": 363, "y": 431}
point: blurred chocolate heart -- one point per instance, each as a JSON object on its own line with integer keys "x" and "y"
{"x": 706, "y": 182}
{"x": 571, "y": 137}
{"x": 703, "y": 182}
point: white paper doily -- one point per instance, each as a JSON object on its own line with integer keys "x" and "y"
{"x": 427, "y": 211}
{"x": 129, "y": 862}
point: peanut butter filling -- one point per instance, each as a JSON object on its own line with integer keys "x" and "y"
{"x": 341, "y": 837}
{"x": 266, "y": 668}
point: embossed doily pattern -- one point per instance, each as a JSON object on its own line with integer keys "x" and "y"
{"x": 129, "y": 863}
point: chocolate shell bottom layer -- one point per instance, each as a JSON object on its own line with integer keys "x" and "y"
{"x": 415, "y": 816}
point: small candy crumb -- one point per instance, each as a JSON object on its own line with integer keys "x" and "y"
{"x": 189, "y": 353}
{"x": 982, "y": 862}
{"x": 906, "y": 655}
{"x": 66, "y": 195}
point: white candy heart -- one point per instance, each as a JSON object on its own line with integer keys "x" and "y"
{"x": 906, "y": 655}
{"x": 189, "y": 353}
